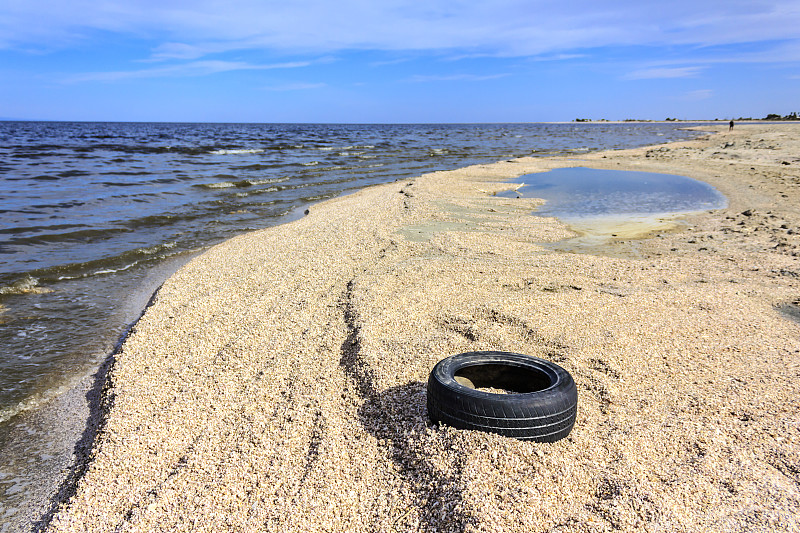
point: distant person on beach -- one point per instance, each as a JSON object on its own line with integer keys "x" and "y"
{"x": 730, "y": 126}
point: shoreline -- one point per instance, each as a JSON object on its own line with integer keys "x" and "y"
{"x": 70, "y": 419}
{"x": 67, "y": 419}
{"x": 433, "y": 226}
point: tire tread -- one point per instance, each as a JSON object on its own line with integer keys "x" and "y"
{"x": 543, "y": 416}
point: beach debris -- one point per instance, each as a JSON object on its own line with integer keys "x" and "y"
{"x": 511, "y": 394}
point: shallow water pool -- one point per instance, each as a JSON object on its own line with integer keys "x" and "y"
{"x": 578, "y": 193}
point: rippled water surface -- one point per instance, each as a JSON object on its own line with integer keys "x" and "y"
{"x": 89, "y": 210}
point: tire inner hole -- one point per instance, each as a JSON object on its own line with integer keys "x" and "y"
{"x": 502, "y": 379}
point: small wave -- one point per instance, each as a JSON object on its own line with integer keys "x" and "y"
{"x": 310, "y": 164}
{"x": 118, "y": 184}
{"x": 79, "y": 236}
{"x": 266, "y": 181}
{"x": 24, "y": 229}
{"x": 317, "y": 197}
{"x": 39, "y": 399}
{"x": 126, "y": 173}
{"x": 257, "y": 166}
{"x": 113, "y": 270}
{"x": 260, "y": 191}
{"x": 72, "y": 173}
{"x": 87, "y": 270}
{"x": 157, "y": 248}
{"x": 218, "y": 185}
{"x": 239, "y": 151}
{"x": 27, "y": 285}
{"x": 238, "y": 183}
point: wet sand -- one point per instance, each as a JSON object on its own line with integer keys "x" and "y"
{"x": 277, "y": 382}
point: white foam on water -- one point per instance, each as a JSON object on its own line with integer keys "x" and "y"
{"x": 27, "y": 285}
{"x": 240, "y": 183}
{"x": 266, "y": 181}
{"x": 242, "y": 151}
{"x": 113, "y": 270}
{"x": 37, "y": 400}
{"x": 157, "y": 248}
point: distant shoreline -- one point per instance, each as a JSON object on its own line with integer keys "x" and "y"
{"x": 586, "y": 121}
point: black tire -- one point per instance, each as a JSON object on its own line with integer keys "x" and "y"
{"x": 541, "y": 402}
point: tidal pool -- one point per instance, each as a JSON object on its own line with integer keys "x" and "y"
{"x": 578, "y": 193}
{"x": 614, "y": 204}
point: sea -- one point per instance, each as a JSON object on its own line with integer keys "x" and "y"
{"x": 93, "y": 216}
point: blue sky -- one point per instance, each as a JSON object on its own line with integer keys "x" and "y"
{"x": 397, "y": 60}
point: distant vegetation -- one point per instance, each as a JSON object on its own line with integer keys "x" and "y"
{"x": 774, "y": 116}
{"x": 771, "y": 116}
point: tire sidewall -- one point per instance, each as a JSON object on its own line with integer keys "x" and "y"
{"x": 544, "y": 415}
{"x": 445, "y": 370}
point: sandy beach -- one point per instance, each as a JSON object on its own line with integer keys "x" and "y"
{"x": 277, "y": 382}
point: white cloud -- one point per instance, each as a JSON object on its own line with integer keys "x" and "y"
{"x": 699, "y": 94}
{"x": 299, "y": 86}
{"x": 559, "y": 57}
{"x": 663, "y": 72}
{"x": 457, "y": 77}
{"x": 194, "y": 68}
{"x": 192, "y": 28}
{"x": 168, "y": 51}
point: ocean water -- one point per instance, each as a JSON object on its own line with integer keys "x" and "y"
{"x": 92, "y": 213}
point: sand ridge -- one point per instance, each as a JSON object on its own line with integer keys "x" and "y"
{"x": 277, "y": 382}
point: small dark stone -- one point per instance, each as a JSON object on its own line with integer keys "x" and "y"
{"x": 748, "y": 213}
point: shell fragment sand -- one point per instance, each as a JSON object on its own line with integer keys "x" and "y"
{"x": 277, "y": 383}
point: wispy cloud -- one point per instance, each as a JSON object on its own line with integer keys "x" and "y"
{"x": 663, "y": 72}
{"x": 699, "y": 94}
{"x": 506, "y": 27}
{"x": 299, "y": 86}
{"x": 456, "y": 77}
{"x": 388, "y": 62}
{"x": 194, "y": 68}
{"x": 167, "y": 51}
{"x": 558, "y": 57}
